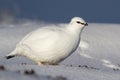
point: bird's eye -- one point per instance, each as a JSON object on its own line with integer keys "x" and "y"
{"x": 78, "y": 22}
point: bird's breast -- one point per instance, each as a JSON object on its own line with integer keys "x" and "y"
{"x": 67, "y": 45}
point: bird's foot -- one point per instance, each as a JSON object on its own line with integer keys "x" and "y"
{"x": 39, "y": 63}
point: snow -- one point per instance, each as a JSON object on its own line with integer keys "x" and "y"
{"x": 97, "y": 57}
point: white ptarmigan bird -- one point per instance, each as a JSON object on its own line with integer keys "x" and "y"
{"x": 50, "y": 45}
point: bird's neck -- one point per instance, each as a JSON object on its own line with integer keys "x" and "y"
{"x": 75, "y": 29}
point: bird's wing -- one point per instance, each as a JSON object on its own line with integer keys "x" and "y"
{"x": 41, "y": 33}
{"x": 42, "y": 38}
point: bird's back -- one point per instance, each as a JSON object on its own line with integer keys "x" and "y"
{"x": 41, "y": 39}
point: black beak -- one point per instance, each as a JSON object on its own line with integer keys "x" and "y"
{"x": 86, "y": 24}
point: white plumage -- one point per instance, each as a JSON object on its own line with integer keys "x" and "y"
{"x": 50, "y": 45}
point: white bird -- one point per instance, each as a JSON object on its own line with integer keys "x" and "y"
{"x": 50, "y": 45}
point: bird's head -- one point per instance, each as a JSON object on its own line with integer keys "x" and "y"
{"x": 77, "y": 21}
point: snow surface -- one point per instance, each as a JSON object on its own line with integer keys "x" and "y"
{"x": 97, "y": 57}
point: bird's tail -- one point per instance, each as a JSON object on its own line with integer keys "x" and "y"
{"x": 18, "y": 51}
{"x": 11, "y": 55}
{"x": 14, "y": 53}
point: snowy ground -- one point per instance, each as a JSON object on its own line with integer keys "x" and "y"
{"x": 97, "y": 59}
